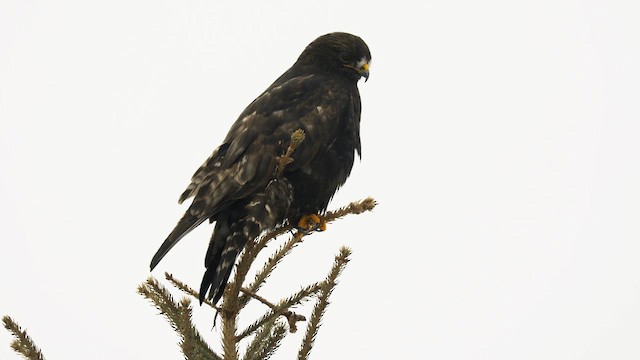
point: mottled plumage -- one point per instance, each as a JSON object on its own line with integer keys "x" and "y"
{"x": 237, "y": 188}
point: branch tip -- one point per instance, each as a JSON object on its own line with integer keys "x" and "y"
{"x": 22, "y": 344}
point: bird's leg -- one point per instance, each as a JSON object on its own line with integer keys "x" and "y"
{"x": 310, "y": 223}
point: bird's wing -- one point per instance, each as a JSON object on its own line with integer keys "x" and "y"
{"x": 246, "y": 161}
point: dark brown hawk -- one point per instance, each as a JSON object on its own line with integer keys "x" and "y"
{"x": 237, "y": 186}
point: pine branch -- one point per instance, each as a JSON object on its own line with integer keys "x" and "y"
{"x": 271, "y": 264}
{"x": 22, "y": 344}
{"x": 273, "y": 342}
{"x": 270, "y": 336}
{"x": 259, "y": 340}
{"x": 356, "y": 207}
{"x": 179, "y": 315}
{"x": 268, "y": 343}
{"x": 193, "y": 346}
{"x": 248, "y": 256}
{"x": 326, "y": 289}
{"x": 257, "y": 297}
{"x": 292, "y": 318}
{"x": 281, "y": 309}
{"x": 229, "y": 315}
{"x": 187, "y": 289}
{"x": 253, "y": 248}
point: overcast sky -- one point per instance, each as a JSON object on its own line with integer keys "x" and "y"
{"x": 501, "y": 139}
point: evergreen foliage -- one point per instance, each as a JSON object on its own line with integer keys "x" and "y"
{"x": 22, "y": 343}
{"x": 264, "y": 335}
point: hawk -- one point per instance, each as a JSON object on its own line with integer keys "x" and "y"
{"x": 237, "y": 186}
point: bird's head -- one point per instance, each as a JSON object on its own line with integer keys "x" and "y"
{"x": 339, "y": 52}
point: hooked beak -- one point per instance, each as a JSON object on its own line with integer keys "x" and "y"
{"x": 362, "y": 68}
{"x": 364, "y": 71}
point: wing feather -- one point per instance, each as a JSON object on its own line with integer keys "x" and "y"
{"x": 245, "y": 162}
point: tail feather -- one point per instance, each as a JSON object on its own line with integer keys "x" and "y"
{"x": 232, "y": 232}
{"x": 226, "y": 244}
{"x": 185, "y": 225}
{"x": 215, "y": 280}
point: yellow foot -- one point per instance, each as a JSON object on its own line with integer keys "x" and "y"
{"x": 311, "y": 223}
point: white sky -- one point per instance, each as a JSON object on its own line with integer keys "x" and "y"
{"x": 501, "y": 139}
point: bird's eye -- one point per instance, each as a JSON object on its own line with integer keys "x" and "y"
{"x": 345, "y": 57}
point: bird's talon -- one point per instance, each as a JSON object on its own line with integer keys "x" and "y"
{"x": 311, "y": 223}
